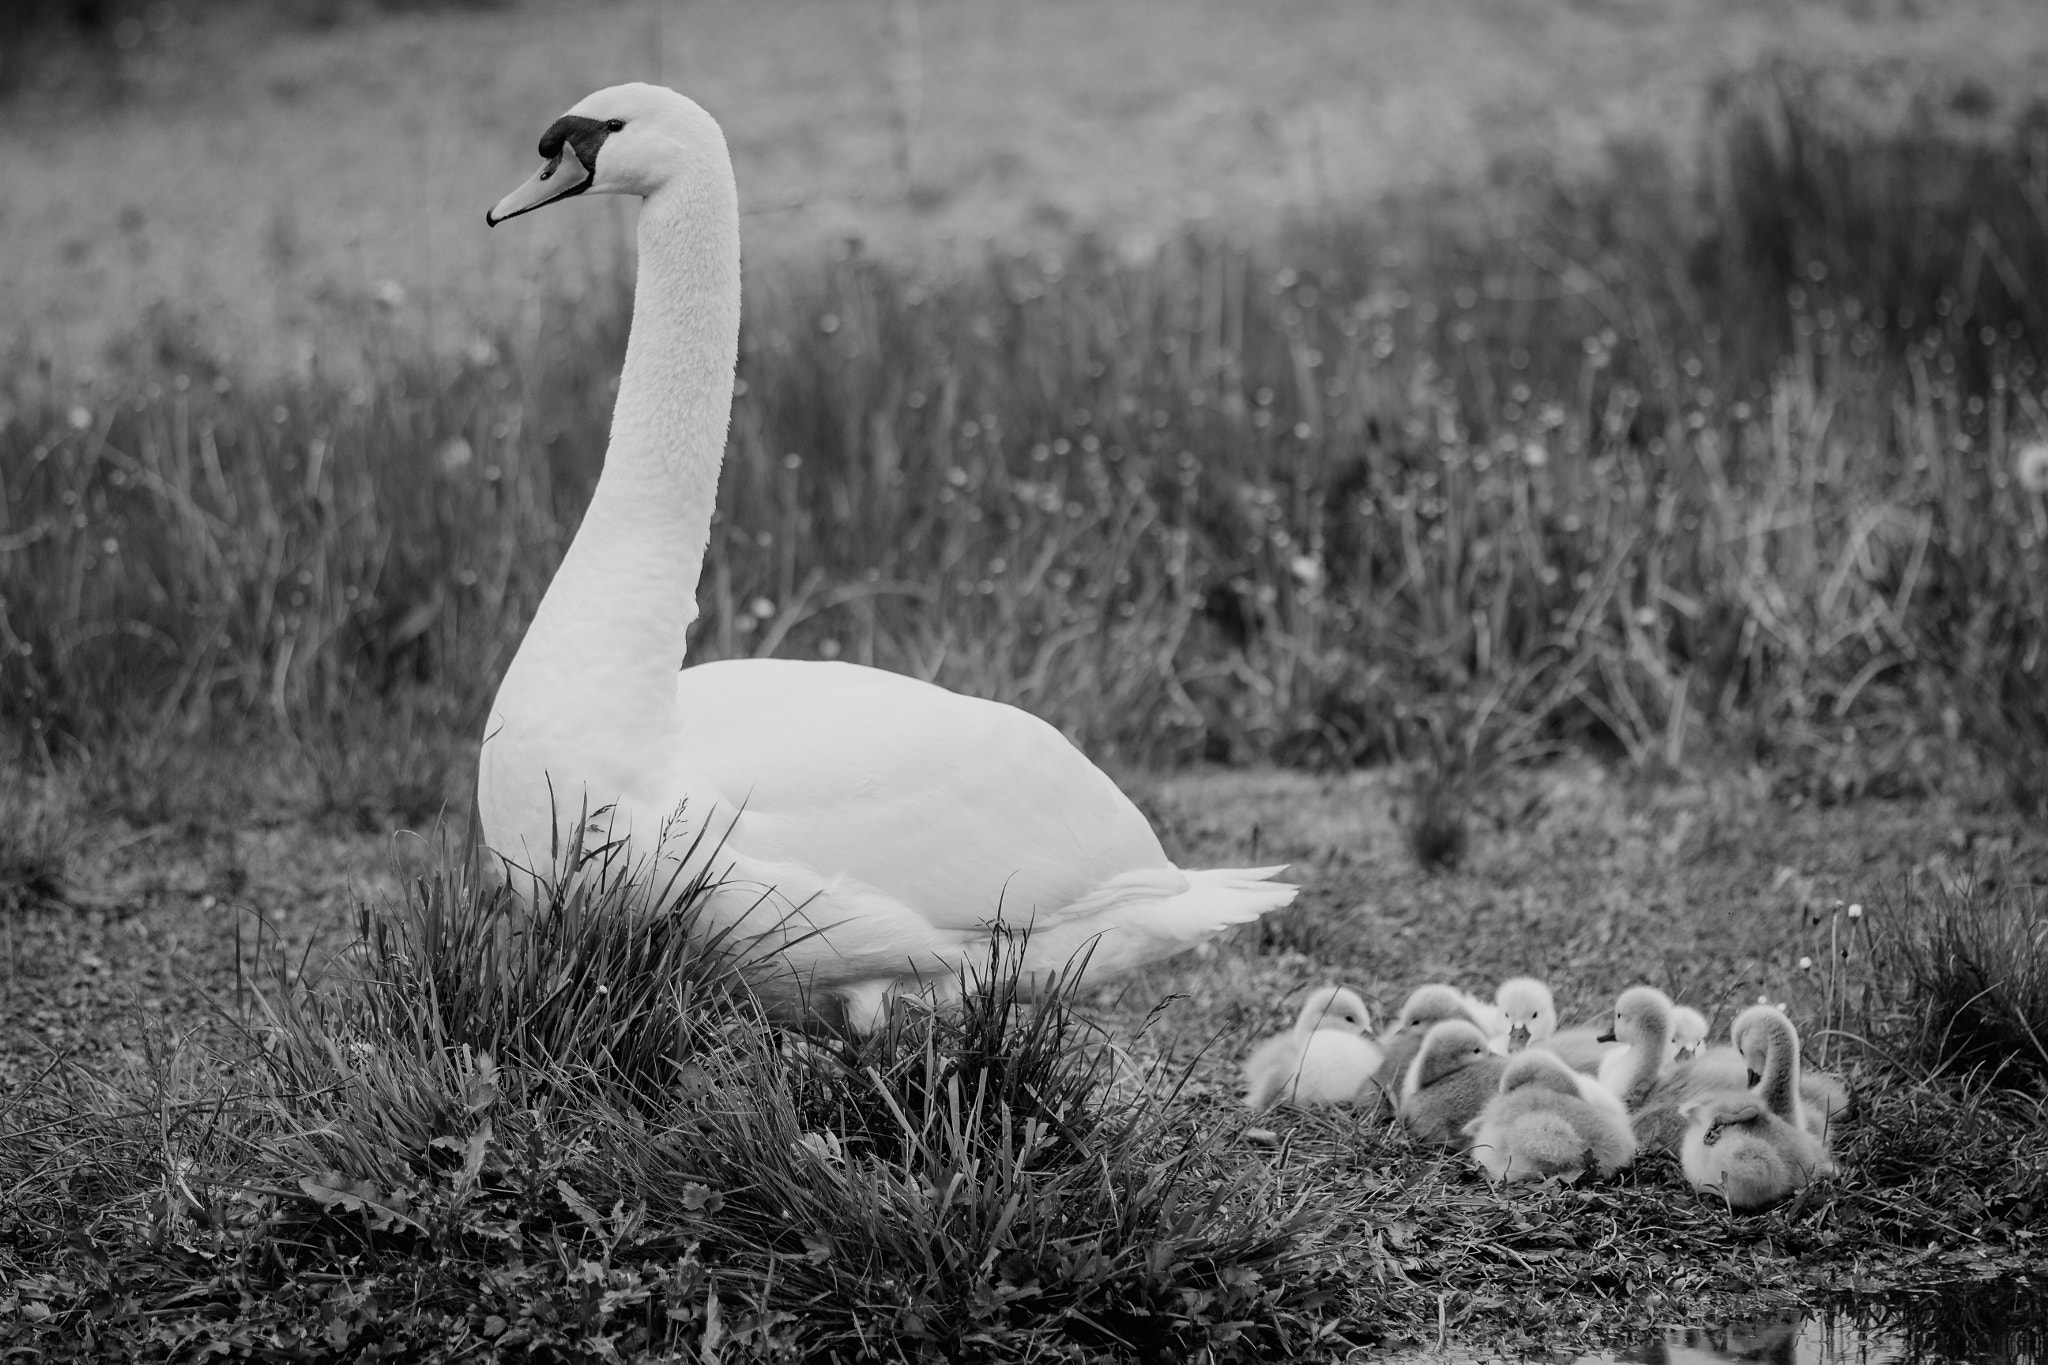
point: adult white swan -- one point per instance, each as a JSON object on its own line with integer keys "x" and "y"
{"x": 878, "y": 824}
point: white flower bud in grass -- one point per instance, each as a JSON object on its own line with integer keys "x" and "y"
{"x": 1805, "y": 964}
{"x": 1855, "y": 912}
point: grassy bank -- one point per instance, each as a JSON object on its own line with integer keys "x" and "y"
{"x": 413, "y": 1150}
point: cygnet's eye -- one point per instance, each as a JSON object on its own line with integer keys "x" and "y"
{"x": 614, "y": 124}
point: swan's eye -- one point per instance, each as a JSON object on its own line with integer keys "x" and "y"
{"x": 614, "y": 124}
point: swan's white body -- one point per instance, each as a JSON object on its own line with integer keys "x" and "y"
{"x": 870, "y": 827}
{"x": 1324, "y": 1059}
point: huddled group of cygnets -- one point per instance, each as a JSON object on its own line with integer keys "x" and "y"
{"x": 1526, "y": 1099}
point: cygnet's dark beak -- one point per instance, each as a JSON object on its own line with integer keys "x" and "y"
{"x": 1607, "y": 1037}
{"x": 1755, "y": 1079}
{"x": 1518, "y": 1037}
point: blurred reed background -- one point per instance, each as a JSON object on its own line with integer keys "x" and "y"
{"x": 1722, "y": 432}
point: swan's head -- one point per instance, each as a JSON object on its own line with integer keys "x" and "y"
{"x": 1753, "y": 1033}
{"x": 1531, "y": 1012}
{"x": 1448, "y": 1048}
{"x": 1539, "y": 1069}
{"x": 1334, "y": 1007}
{"x": 629, "y": 139}
{"x": 1431, "y": 1004}
{"x": 1688, "y": 1031}
{"x": 1642, "y": 1018}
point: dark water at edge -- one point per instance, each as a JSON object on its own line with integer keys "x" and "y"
{"x": 1990, "y": 1327}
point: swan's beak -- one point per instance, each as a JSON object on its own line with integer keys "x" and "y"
{"x": 1518, "y": 1037}
{"x": 1755, "y": 1079}
{"x": 1607, "y": 1037}
{"x": 1684, "y": 1054}
{"x": 564, "y": 175}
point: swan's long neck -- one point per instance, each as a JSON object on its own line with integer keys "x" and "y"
{"x": 589, "y": 700}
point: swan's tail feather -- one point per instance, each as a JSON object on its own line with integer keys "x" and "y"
{"x": 1219, "y": 897}
{"x": 1141, "y": 918}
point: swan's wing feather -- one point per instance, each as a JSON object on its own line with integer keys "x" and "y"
{"x": 958, "y": 808}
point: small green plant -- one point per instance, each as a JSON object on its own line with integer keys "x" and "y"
{"x": 39, "y": 836}
{"x": 1437, "y": 821}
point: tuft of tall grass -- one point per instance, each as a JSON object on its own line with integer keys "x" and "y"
{"x": 603, "y": 978}
{"x": 1967, "y": 963}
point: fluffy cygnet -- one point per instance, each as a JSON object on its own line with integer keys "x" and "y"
{"x": 1642, "y": 1024}
{"x": 1452, "y": 1077}
{"x": 1769, "y": 1044}
{"x": 1688, "y": 1033}
{"x": 1654, "y": 1090}
{"x": 1529, "y": 1008}
{"x": 1735, "y": 1147}
{"x": 1531, "y": 1012}
{"x": 1324, "y": 1059}
{"x": 1539, "y": 1124}
{"x": 1425, "y": 1007}
{"x": 1742, "y": 1063}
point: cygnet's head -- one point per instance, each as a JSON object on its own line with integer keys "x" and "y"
{"x": 1538, "y": 1069}
{"x": 1449, "y": 1047}
{"x": 628, "y": 139}
{"x": 1531, "y": 1012}
{"x": 1688, "y": 1032}
{"x": 1432, "y": 1004}
{"x": 1333, "y": 1007}
{"x": 1642, "y": 1018}
{"x": 1754, "y": 1029}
